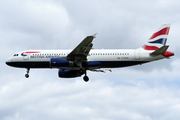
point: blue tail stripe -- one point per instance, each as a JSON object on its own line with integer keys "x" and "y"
{"x": 160, "y": 41}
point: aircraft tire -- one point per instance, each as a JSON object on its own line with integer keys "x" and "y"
{"x": 86, "y": 78}
{"x": 26, "y": 75}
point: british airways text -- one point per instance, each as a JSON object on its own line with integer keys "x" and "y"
{"x": 46, "y": 56}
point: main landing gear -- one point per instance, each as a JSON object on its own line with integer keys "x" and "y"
{"x": 27, "y": 75}
{"x": 86, "y": 78}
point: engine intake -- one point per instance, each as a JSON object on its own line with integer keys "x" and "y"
{"x": 61, "y": 62}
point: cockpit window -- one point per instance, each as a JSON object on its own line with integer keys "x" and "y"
{"x": 15, "y": 54}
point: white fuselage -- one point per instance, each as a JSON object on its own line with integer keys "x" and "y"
{"x": 109, "y": 58}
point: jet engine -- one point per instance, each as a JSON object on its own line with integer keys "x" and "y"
{"x": 61, "y": 62}
{"x": 69, "y": 73}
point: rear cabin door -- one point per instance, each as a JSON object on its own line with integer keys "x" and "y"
{"x": 137, "y": 54}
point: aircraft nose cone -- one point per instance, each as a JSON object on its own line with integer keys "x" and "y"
{"x": 8, "y": 62}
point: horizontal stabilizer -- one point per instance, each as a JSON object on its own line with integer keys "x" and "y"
{"x": 160, "y": 51}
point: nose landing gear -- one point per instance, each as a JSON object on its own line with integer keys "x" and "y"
{"x": 27, "y": 75}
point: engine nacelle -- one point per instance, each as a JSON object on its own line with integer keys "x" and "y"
{"x": 61, "y": 62}
{"x": 69, "y": 73}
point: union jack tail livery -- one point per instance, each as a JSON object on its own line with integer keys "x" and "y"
{"x": 158, "y": 39}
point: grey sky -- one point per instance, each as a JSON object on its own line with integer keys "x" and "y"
{"x": 147, "y": 92}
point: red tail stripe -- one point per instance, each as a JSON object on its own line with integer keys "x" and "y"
{"x": 32, "y": 52}
{"x": 146, "y": 47}
{"x": 164, "y": 31}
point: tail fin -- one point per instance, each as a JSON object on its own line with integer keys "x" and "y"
{"x": 158, "y": 39}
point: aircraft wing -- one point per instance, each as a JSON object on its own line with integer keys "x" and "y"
{"x": 81, "y": 52}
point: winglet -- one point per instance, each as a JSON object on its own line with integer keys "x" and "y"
{"x": 94, "y": 35}
{"x": 160, "y": 51}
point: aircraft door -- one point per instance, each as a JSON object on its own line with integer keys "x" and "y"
{"x": 26, "y": 56}
{"x": 137, "y": 54}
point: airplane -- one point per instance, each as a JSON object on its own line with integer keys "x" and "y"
{"x": 76, "y": 62}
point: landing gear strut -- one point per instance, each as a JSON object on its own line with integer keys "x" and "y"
{"x": 86, "y": 78}
{"x": 27, "y": 75}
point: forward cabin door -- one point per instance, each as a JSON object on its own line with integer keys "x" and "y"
{"x": 137, "y": 54}
{"x": 26, "y": 56}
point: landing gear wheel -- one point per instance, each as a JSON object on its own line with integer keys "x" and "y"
{"x": 86, "y": 79}
{"x": 26, "y": 75}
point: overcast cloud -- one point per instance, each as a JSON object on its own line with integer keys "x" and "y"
{"x": 146, "y": 92}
